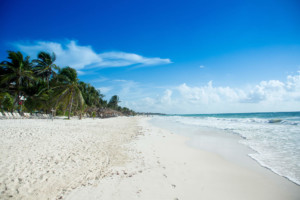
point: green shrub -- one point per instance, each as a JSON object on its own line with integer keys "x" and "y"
{"x": 7, "y": 102}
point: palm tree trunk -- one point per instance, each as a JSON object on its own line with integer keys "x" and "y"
{"x": 80, "y": 113}
{"x": 18, "y": 97}
{"x": 70, "y": 108}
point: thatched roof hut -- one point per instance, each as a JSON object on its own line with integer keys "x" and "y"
{"x": 103, "y": 112}
{"x": 107, "y": 112}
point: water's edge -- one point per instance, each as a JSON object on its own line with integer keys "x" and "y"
{"x": 232, "y": 138}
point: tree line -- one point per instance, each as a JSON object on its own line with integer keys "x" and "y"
{"x": 39, "y": 85}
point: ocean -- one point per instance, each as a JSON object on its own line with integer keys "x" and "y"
{"x": 274, "y": 137}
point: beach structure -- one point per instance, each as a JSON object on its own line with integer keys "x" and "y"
{"x": 105, "y": 113}
{"x": 102, "y": 113}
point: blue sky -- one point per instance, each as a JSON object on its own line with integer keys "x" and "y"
{"x": 169, "y": 56}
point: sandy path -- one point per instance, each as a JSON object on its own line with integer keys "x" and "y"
{"x": 43, "y": 159}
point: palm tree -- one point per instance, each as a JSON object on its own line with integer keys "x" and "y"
{"x": 103, "y": 103}
{"x": 19, "y": 77}
{"x": 68, "y": 92}
{"x": 38, "y": 97}
{"x": 90, "y": 94}
{"x": 6, "y": 102}
{"x": 45, "y": 65}
{"x": 18, "y": 73}
{"x": 113, "y": 102}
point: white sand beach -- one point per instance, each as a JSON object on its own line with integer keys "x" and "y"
{"x": 121, "y": 158}
{"x": 44, "y": 159}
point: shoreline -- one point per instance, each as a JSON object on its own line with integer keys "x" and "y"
{"x": 235, "y": 149}
{"x": 167, "y": 168}
{"x": 233, "y": 141}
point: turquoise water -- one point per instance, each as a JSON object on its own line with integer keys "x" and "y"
{"x": 275, "y": 137}
{"x": 288, "y": 117}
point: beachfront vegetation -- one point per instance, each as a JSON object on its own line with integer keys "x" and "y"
{"x": 39, "y": 85}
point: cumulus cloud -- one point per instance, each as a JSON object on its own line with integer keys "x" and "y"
{"x": 167, "y": 98}
{"x": 158, "y": 103}
{"x": 80, "y": 57}
{"x": 272, "y": 95}
{"x": 267, "y": 90}
{"x": 293, "y": 85}
{"x": 209, "y": 93}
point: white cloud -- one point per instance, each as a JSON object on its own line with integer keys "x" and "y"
{"x": 167, "y": 98}
{"x": 128, "y": 88}
{"x": 201, "y": 66}
{"x": 117, "y": 59}
{"x": 208, "y": 94}
{"x": 100, "y": 79}
{"x": 69, "y": 54}
{"x": 161, "y": 104}
{"x": 104, "y": 90}
{"x": 266, "y": 96}
{"x": 80, "y": 72}
{"x": 272, "y": 90}
{"x": 79, "y": 57}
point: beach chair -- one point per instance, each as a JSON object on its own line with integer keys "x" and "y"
{"x": 26, "y": 115}
{"x": 16, "y": 115}
{"x": 46, "y": 116}
{"x": 7, "y": 116}
{"x": 1, "y": 116}
{"x": 34, "y": 116}
{"x": 13, "y": 115}
{"x": 10, "y": 115}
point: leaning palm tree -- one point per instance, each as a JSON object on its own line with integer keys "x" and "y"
{"x": 18, "y": 73}
{"x": 45, "y": 66}
{"x": 67, "y": 92}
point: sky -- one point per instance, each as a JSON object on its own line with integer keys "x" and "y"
{"x": 175, "y": 57}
